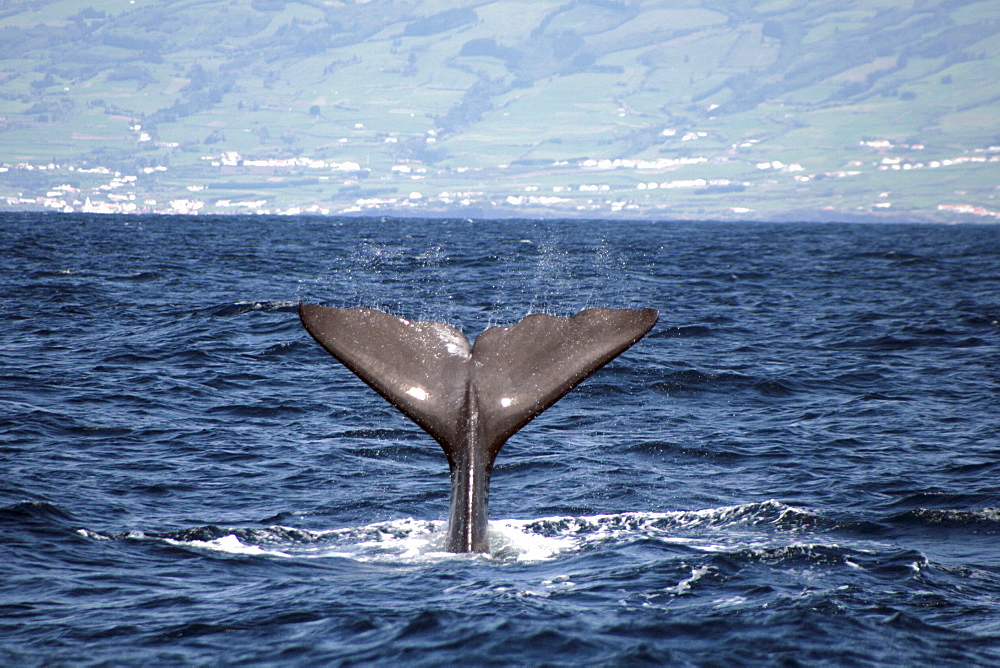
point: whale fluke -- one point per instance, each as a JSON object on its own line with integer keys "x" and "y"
{"x": 471, "y": 399}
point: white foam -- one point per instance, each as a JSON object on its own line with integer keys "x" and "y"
{"x": 687, "y": 583}
{"x": 87, "y": 533}
{"x": 229, "y": 544}
{"x": 509, "y": 539}
{"x": 731, "y": 602}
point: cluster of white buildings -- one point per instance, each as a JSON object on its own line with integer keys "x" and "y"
{"x": 624, "y": 163}
{"x": 969, "y": 209}
{"x": 901, "y": 164}
{"x": 234, "y": 159}
{"x": 905, "y": 163}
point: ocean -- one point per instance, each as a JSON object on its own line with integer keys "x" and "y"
{"x": 799, "y": 465}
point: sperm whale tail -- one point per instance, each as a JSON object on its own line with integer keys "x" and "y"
{"x": 471, "y": 399}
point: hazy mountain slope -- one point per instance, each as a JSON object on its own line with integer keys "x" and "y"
{"x": 466, "y": 86}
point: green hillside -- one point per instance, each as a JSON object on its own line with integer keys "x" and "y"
{"x": 767, "y": 109}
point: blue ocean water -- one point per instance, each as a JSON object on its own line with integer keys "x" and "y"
{"x": 799, "y": 465}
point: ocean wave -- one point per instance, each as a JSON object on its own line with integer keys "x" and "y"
{"x": 899, "y": 258}
{"x": 767, "y": 513}
{"x": 241, "y": 308}
{"x": 24, "y": 512}
{"x": 694, "y": 381}
{"x": 510, "y": 540}
{"x": 684, "y": 331}
{"x": 139, "y": 276}
{"x": 406, "y": 541}
{"x": 984, "y": 520}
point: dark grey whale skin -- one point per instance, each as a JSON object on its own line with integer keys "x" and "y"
{"x": 471, "y": 399}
